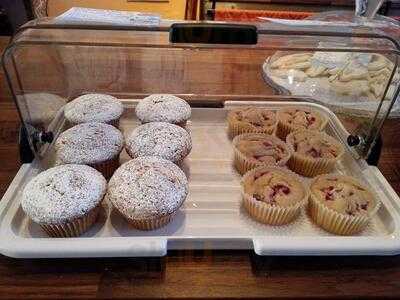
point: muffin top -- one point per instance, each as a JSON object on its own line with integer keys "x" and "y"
{"x": 343, "y": 194}
{"x": 262, "y": 148}
{"x": 63, "y": 193}
{"x": 88, "y": 143}
{"x": 93, "y": 108}
{"x": 274, "y": 186}
{"x": 315, "y": 145}
{"x": 163, "y": 108}
{"x": 160, "y": 139}
{"x": 147, "y": 187}
{"x": 302, "y": 118}
{"x": 253, "y": 116}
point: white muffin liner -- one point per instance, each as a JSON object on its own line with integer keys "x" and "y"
{"x": 266, "y": 213}
{"x": 244, "y": 164}
{"x": 73, "y": 228}
{"x": 311, "y": 167}
{"x": 338, "y": 223}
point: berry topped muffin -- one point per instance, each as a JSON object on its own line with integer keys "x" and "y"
{"x": 256, "y": 149}
{"x": 251, "y": 120}
{"x": 294, "y": 118}
{"x": 273, "y": 195}
{"x": 163, "y": 108}
{"x": 314, "y": 152}
{"x": 341, "y": 204}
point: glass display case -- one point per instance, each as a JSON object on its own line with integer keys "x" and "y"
{"x": 215, "y": 67}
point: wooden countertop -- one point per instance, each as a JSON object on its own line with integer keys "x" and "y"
{"x": 203, "y": 274}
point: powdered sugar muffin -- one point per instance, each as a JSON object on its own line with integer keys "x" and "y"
{"x": 295, "y": 118}
{"x": 273, "y": 195}
{"x": 147, "y": 191}
{"x": 64, "y": 200}
{"x": 253, "y": 150}
{"x": 163, "y": 108}
{"x": 94, "y": 108}
{"x": 341, "y": 204}
{"x": 314, "y": 153}
{"x": 94, "y": 144}
{"x": 251, "y": 120}
{"x": 159, "y": 139}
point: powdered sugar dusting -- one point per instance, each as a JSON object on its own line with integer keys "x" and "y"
{"x": 160, "y": 139}
{"x": 63, "y": 193}
{"x": 89, "y": 143}
{"x": 93, "y": 108}
{"x": 147, "y": 187}
{"x": 163, "y": 108}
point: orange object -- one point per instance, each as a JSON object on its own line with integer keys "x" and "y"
{"x": 253, "y": 15}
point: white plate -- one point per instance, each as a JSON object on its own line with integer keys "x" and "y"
{"x": 212, "y": 216}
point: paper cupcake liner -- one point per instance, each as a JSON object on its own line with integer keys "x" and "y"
{"x": 182, "y": 124}
{"x": 283, "y": 129}
{"x": 150, "y": 224}
{"x": 107, "y": 168}
{"x": 74, "y": 228}
{"x": 244, "y": 164}
{"x": 114, "y": 123}
{"x": 236, "y": 128}
{"x": 311, "y": 167}
{"x": 268, "y": 214}
{"x": 337, "y": 223}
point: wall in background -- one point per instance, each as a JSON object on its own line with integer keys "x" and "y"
{"x": 174, "y": 9}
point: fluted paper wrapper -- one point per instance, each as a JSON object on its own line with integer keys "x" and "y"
{"x": 268, "y": 214}
{"x": 107, "y": 168}
{"x": 283, "y": 128}
{"x": 150, "y": 224}
{"x": 114, "y": 123}
{"x": 73, "y": 228}
{"x": 335, "y": 222}
{"x": 182, "y": 124}
{"x": 244, "y": 164}
{"x": 236, "y": 128}
{"x": 311, "y": 167}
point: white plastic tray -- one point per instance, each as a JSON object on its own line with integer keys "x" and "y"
{"x": 212, "y": 216}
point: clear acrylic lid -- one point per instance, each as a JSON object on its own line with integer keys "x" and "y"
{"x": 352, "y": 70}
